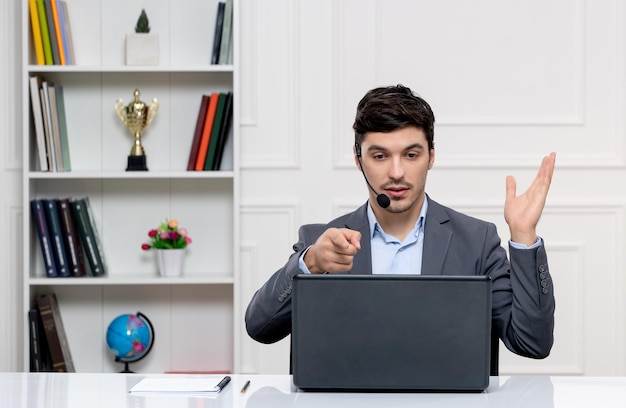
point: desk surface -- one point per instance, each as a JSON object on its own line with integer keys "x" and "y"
{"x": 54, "y": 390}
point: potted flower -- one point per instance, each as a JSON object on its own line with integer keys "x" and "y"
{"x": 142, "y": 48}
{"x": 170, "y": 242}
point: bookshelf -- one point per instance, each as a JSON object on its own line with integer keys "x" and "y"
{"x": 194, "y": 314}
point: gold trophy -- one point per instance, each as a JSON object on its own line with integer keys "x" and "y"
{"x": 137, "y": 116}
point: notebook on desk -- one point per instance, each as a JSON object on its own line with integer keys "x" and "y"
{"x": 391, "y": 332}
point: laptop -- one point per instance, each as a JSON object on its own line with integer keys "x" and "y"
{"x": 391, "y": 332}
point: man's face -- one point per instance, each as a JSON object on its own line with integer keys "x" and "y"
{"x": 396, "y": 164}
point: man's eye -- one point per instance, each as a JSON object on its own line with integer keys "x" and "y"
{"x": 379, "y": 156}
{"x": 412, "y": 155}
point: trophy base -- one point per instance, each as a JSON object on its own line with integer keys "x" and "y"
{"x": 136, "y": 163}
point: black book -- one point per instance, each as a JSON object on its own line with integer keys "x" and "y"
{"x": 39, "y": 354}
{"x": 41, "y": 225}
{"x": 86, "y": 226}
{"x": 71, "y": 239}
{"x": 224, "y": 131}
{"x": 56, "y": 237}
{"x": 217, "y": 38}
{"x": 54, "y": 330}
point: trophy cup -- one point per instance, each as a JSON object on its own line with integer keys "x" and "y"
{"x": 136, "y": 116}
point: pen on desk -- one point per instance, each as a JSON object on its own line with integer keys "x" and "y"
{"x": 220, "y": 386}
{"x": 245, "y": 386}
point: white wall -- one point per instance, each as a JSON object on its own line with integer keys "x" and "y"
{"x": 509, "y": 82}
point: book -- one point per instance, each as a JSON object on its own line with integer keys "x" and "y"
{"x": 226, "y": 32}
{"x": 52, "y": 33}
{"x": 45, "y": 33}
{"x": 67, "y": 32}
{"x": 215, "y": 131}
{"x": 81, "y": 210}
{"x": 224, "y": 132}
{"x": 65, "y": 148}
{"x": 54, "y": 330}
{"x": 41, "y": 225}
{"x": 206, "y": 131}
{"x": 39, "y": 354}
{"x": 71, "y": 239}
{"x": 57, "y": 31}
{"x": 217, "y": 37}
{"x": 47, "y": 125}
{"x": 56, "y": 237}
{"x": 197, "y": 135}
{"x": 35, "y": 102}
{"x": 36, "y": 32}
{"x": 54, "y": 122}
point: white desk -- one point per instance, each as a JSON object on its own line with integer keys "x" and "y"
{"x": 43, "y": 390}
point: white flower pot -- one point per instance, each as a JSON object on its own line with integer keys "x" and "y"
{"x": 170, "y": 262}
{"x": 142, "y": 49}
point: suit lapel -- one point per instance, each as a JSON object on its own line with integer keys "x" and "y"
{"x": 362, "y": 263}
{"x": 436, "y": 239}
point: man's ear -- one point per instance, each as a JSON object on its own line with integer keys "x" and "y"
{"x": 357, "y": 152}
{"x": 431, "y": 159}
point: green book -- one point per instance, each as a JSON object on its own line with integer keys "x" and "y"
{"x": 215, "y": 132}
{"x": 65, "y": 148}
{"x": 45, "y": 34}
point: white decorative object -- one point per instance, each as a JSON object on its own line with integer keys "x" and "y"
{"x": 170, "y": 262}
{"x": 142, "y": 49}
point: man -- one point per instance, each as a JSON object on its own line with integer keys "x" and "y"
{"x": 402, "y": 230}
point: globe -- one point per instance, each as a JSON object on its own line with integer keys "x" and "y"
{"x": 130, "y": 338}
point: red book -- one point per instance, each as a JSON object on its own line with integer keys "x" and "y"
{"x": 193, "y": 154}
{"x": 206, "y": 132}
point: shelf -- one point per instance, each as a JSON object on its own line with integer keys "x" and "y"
{"x": 37, "y": 175}
{"x": 127, "y": 68}
{"x": 137, "y": 280}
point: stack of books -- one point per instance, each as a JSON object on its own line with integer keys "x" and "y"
{"x": 48, "y": 109}
{"x": 212, "y": 128}
{"x": 52, "y": 36}
{"x": 49, "y": 347}
{"x": 67, "y": 236}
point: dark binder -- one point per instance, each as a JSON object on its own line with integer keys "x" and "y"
{"x": 41, "y": 225}
{"x": 56, "y": 237}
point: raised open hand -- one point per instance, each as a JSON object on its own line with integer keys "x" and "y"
{"x": 522, "y": 212}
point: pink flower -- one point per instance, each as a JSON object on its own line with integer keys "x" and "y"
{"x": 152, "y": 233}
{"x": 145, "y": 247}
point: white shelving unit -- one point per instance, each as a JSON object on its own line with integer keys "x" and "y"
{"x": 193, "y": 315}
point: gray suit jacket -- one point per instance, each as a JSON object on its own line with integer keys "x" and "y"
{"x": 454, "y": 244}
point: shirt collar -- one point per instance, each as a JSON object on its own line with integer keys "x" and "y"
{"x": 374, "y": 226}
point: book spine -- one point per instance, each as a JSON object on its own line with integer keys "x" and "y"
{"x": 226, "y": 32}
{"x": 35, "y": 99}
{"x": 47, "y": 124}
{"x": 65, "y": 148}
{"x": 57, "y": 31}
{"x": 71, "y": 239}
{"x": 52, "y": 33}
{"x": 45, "y": 34}
{"x": 36, "y": 32}
{"x": 217, "y": 38}
{"x": 36, "y": 361}
{"x": 54, "y": 121}
{"x": 44, "y": 304}
{"x": 83, "y": 225}
{"x": 206, "y": 132}
{"x": 224, "y": 132}
{"x": 215, "y": 132}
{"x": 68, "y": 33}
{"x": 58, "y": 346}
{"x": 97, "y": 239}
{"x": 39, "y": 216}
{"x": 197, "y": 135}
{"x": 56, "y": 237}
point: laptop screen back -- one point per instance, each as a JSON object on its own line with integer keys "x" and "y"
{"x": 391, "y": 332}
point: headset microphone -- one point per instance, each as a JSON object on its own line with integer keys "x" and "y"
{"x": 382, "y": 199}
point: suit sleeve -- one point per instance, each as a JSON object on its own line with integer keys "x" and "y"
{"x": 523, "y": 299}
{"x": 268, "y": 316}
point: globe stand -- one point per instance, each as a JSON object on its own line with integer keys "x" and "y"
{"x": 126, "y": 370}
